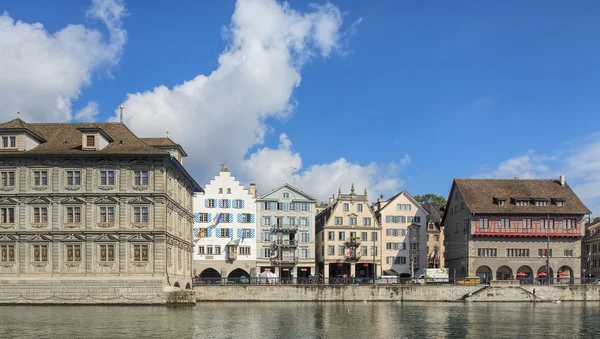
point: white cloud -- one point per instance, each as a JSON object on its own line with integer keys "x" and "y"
{"x": 219, "y": 117}
{"x": 43, "y": 72}
{"x": 528, "y": 166}
{"x": 581, "y": 167}
{"x": 273, "y": 167}
{"x": 87, "y": 113}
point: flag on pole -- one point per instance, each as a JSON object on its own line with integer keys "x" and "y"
{"x": 243, "y": 235}
{"x": 219, "y": 219}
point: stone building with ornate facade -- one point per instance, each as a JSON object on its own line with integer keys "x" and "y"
{"x": 287, "y": 233}
{"x": 435, "y": 236}
{"x": 348, "y": 238}
{"x": 504, "y": 229}
{"x": 225, "y": 230}
{"x": 92, "y": 212}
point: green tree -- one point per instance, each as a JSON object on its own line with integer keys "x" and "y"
{"x": 430, "y": 197}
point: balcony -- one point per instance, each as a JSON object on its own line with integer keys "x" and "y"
{"x": 284, "y": 243}
{"x": 353, "y": 242}
{"x": 494, "y": 230}
{"x": 286, "y": 259}
{"x": 284, "y": 227}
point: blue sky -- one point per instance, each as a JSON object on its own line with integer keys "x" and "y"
{"x": 426, "y": 92}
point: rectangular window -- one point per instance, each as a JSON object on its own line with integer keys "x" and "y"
{"x": 267, "y": 221}
{"x": 217, "y": 250}
{"x": 374, "y": 236}
{"x": 331, "y": 236}
{"x": 140, "y": 253}
{"x": 209, "y": 250}
{"x": 244, "y": 250}
{"x": 417, "y": 220}
{"x": 547, "y": 223}
{"x": 403, "y": 207}
{"x": 374, "y": 250}
{"x": 228, "y": 190}
{"x": 266, "y": 205}
{"x": 211, "y": 203}
{"x": 13, "y": 142}
{"x": 226, "y": 218}
{"x": 390, "y": 219}
{"x": 40, "y": 215}
{"x": 504, "y": 223}
{"x": 570, "y": 223}
{"x": 5, "y": 142}
{"x": 224, "y": 233}
{"x": 414, "y": 245}
{"x": 359, "y": 207}
{"x": 342, "y": 236}
{"x": 220, "y": 190}
{"x": 527, "y": 223}
{"x": 487, "y": 252}
{"x": 7, "y": 253}
{"x": 73, "y": 214}
{"x": 522, "y": 203}
{"x": 346, "y": 207}
{"x": 246, "y": 218}
{"x": 517, "y": 252}
{"x": 201, "y": 250}
{"x": 224, "y": 203}
{"x": 246, "y": 233}
{"x": 304, "y": 237}
{"x": 237, "y": 203}
{"x": 542, "y": 252}
{"x": 40, "y": 253}
{"x": 341, "y": 250}
{"x": 202, "y": 217}
{"x": 73, "y": 253}
{"x": 73, "y": 178}
{"x": 8, "y": 178}
{"x": 266, "y": 252}
{"x": 339, "y": 220}
{"x": 286, "y": 195}
{"x": 330, "y": 250}
{"x": 363, "y": 250}
{"x": 568, "y": 253}
{"x": 40, "y": 178}
{"x": 363, "y": 236}
{"x": 90, "y": 140}
{"x": 107, "y": 214}
{"x": 366, "y": 221}
{"x": 107, "y": 178}
{"x": 141, "y": 178}
{"x": 7, "y": 215}
{"x": 483, "y": 223}
{"x": 390, "y": 260}
{"x": 352, "y": 221}
{"x": 107, "y": 253}
{"x": 140, "y": 214}
{"x": 541, "y": 203}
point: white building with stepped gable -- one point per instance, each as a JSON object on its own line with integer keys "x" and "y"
{"x": 225, "y": 231}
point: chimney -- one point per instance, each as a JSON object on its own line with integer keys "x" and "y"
{"x": 253, "y": 190}
{"x": 562, "y": 180}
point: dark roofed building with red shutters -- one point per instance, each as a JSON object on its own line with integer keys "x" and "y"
{"x": 504, "y": 229}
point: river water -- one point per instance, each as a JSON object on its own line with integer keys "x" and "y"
{"x": 306, "y": 320}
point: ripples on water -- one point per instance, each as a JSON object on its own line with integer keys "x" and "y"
{"x": 306, "y": 320}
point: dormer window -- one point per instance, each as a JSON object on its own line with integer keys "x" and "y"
{"x": 500, "y": 201}
{"x": 522, "y": 202}
{"x": 558, "y": 202}
{"x": 541, "y": 202}
{"x": 90, "y": 141}
{"x": 9, "y": 142}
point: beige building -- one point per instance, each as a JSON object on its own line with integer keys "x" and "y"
{"x": 403, "y": 234}
{"x": 508, "y": 228}
{"x": 435, "y": 236}
{"x": 93, "y": 203}
{"x": 348, "y": 238}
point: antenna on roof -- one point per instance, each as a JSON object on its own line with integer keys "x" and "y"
{"x": 121, "y": 115}
{"x": 18, "y": 115}
{"x": 167, "y": 134}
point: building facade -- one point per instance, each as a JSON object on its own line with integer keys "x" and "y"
{"x": 225, "y": 230}
{"x": 435, "y": 235}
{"x": 348, "y": 238}
{"x": 590, "y": 256}
{"x": 508, "y": 228}
{"x": 403, "y": 234}
{"x": 287, "y": 233}
{"x": 92, "y": 203}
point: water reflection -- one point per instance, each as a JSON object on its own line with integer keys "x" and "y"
{"x": 307, "y": 320}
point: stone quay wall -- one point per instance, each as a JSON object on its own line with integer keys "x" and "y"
{"x": 86, "y": 292}
{"x": 396, "y": 293}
